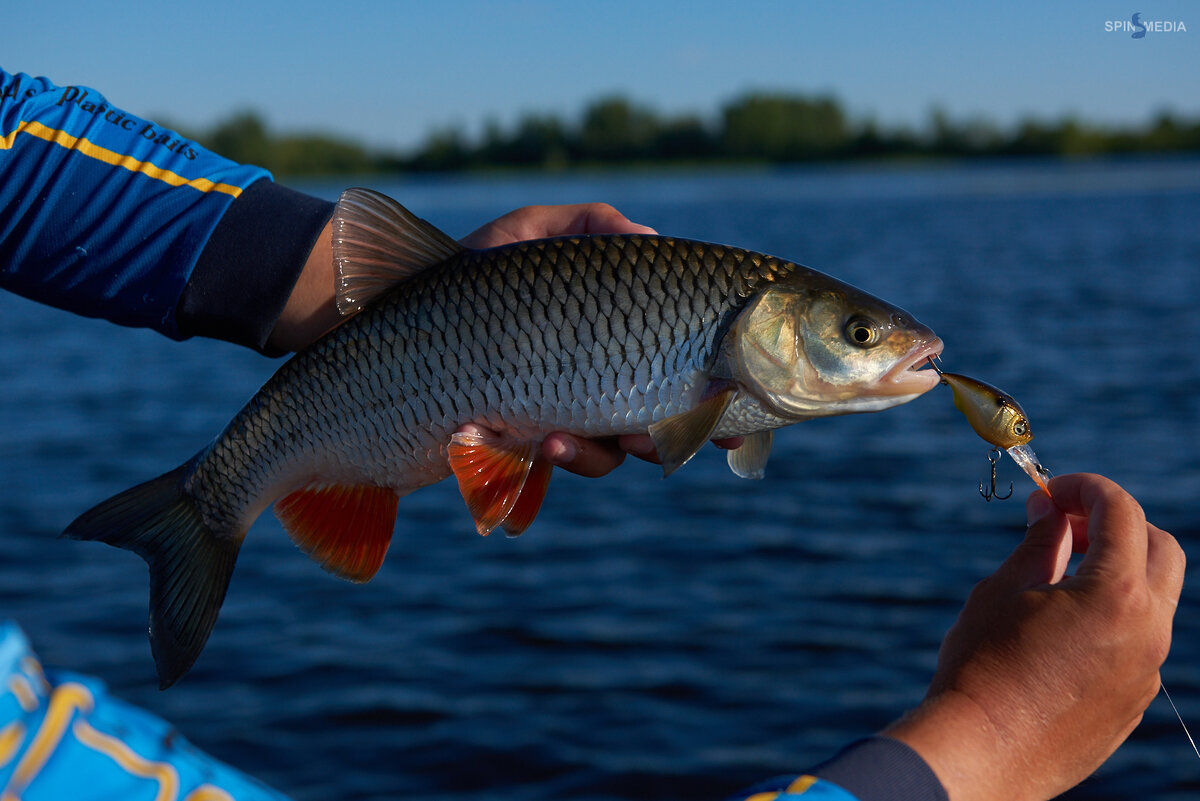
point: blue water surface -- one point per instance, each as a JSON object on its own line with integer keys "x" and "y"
{"x": 650, "y": 638}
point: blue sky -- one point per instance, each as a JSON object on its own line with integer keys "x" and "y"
{"x": 389, "y": 72}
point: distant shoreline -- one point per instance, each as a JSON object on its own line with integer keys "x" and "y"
{"x": 757, "y": 129}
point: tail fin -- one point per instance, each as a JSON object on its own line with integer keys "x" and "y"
{"x": 190, "y": 565}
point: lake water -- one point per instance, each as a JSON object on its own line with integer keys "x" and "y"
{"x": 650, "y": 638}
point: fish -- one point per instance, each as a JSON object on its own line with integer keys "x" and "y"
{"x": 596, "y": 335}
{"x": 998, "y": 420}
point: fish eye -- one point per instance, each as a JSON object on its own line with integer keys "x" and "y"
{"x": 862, "y": 332}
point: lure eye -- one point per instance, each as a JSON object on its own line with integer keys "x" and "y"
{"x": 1020, "y": 427}
{"x": 862, "y": 332}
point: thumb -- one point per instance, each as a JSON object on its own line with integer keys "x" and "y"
{"x": 1042, "y": 556}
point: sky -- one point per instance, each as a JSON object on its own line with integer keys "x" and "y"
{"x": 388, "y": 73}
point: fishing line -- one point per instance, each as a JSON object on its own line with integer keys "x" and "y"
{"x": 1181, "y": 723}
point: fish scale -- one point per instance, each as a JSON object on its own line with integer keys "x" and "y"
{"x": 595, "y": 335}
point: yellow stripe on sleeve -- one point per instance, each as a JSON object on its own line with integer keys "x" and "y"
{"x": 66, "y": 699}
{"x": 20, "y": 687}
{"x": 801, "y": 784}
{"x": 11, "y": 738}
{"x": 207, "y": 792}
{"x": 87, "y": 148}
{"x": 130, "y": 761}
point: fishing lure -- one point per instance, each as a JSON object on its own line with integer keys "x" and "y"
{"x": 1000, "y": 421}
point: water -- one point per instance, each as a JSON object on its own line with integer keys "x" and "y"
{"x": 649, "y": 638}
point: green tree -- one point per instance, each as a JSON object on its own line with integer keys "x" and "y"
{"x": 444, "y": 150}
{"x": 783, "y": 128}
{"x": 317, "y": 154}
{"x": 684, "y": 138}
{"x": 614, "y": 129}
{"x": 538, "y": 141}
{"x": 242, "y": 138}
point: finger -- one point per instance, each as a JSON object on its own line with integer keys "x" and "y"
{"x": 1079, "y": 537}
{"x": 1042, "y": 556}
{"x": 1165, "y": 564}
{"x": 1116, "y": 525}
{"x": 536, "y": 222}
{"x": 639, "y": 445}
{"x": 585, "y": 457}
{"x": 601, "y": 218}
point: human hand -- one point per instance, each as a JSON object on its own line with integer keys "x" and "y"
{"x": 586, "y": 457}
{"x": 1043, "y": 677}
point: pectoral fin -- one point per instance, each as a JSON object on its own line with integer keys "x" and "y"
{"x": 750, "y": 460}
{"x": 678, "y": 438}
{"x": 502, "y": 481}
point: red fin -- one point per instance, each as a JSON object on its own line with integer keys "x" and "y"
{"x": 530, "y": 500}
{"x": 346, "y": 529}
{"x": 503, "y": 482}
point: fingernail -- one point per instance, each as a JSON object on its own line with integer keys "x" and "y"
{"x": 560, "y": 452}
{"x": 1037, "y": 507}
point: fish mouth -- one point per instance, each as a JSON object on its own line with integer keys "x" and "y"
{"x": 915, "y": 373}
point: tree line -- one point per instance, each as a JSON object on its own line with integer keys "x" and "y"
{"x": 758, "y": 127}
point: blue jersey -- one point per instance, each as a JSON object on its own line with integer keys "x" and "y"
{"x": 109, "y": 215}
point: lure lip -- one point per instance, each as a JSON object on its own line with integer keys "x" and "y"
{"x": 1023, "y": 455}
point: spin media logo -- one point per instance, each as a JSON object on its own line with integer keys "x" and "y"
{"x": 1137, "y": 28}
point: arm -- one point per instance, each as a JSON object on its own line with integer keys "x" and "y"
{"x": 106, "y": 214}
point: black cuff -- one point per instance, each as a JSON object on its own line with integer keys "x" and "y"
{"x": 250, "y": 264}
{"x": 882, "y": 769}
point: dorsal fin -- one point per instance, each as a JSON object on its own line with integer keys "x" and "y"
{"x": 377, "y": 243}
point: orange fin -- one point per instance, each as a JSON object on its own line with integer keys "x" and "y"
{"x": 502, "y": 481}
{"x": 346, "y": 529}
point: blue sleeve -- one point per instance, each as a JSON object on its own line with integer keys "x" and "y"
{"x": 109, "y": 215}
{"x": 872, "y": 769}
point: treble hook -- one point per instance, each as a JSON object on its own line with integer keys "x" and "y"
{"x": 994, "y": 456}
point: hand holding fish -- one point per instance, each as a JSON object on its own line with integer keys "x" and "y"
{"x": 1043, "y": 677}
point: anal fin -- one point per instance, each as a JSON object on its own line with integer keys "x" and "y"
{"x": 502, "y": 481}
{"x": 345, "y": 528}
